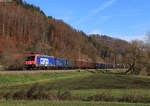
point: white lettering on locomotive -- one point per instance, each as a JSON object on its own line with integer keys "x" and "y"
{"x": 44, "y": 61}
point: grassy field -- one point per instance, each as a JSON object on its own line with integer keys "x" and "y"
{"x": 22, "y": 79}
{"x": 79, "y": 81}
{"x": 84, "y": 86}
{"x": 62, "y": 103}
{"x": 100, "y": 81}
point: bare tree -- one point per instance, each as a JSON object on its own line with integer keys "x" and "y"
{"x": 134, "y": 56}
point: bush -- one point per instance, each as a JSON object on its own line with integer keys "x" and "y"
{"x": 125, "y": 98}
{"x": 20, "y": 95}
{"x": 64, "y": 95}
{"x": 7, "y": 95}
{"x": 135, "y": 99}
{"x": 38, "y": 93}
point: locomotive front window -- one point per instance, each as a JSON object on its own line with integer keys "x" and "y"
{"x": 30, "y": 58}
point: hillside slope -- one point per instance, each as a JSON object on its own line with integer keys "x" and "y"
{"x": 25, "y": 28}
{"x": 112, "y": 50}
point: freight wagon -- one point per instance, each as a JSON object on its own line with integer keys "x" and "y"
{"x": 60, "y": 63}
{"x": 81, "y": 64}
{"x": 70, "y": 64}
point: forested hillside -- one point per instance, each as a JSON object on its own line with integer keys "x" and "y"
{"x": 24, "y": 28}
{"x": 112, "y": 50}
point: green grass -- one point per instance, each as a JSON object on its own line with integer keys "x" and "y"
{"x": 99, "y": 81}
{"x": 118, "y": 70}
{"x": 60, "y": 103}
{"x": 24, "y": 79}
{"x": 80, "y": 84}
{"x": 74, "y": 81}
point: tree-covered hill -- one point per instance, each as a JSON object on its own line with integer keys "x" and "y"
{"x": 24, "y": 28}
{"x": 112, "y": 50}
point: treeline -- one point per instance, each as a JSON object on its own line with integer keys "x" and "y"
{"x": 29, "y": 6}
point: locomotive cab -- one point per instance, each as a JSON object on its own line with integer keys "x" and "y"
{"x": 30, "y": 61}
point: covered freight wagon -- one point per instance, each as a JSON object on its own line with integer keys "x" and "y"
{"x": 60, "y": 63}
{"x": 81, "y": 64}
{"x": 70, "y": 64}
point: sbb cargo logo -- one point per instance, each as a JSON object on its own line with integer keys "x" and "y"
{"x": 5, "y": 0}
{"x": 44, "y": 61}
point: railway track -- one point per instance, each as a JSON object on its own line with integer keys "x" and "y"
{"x": 38, "y": 71}
{"x": 45, "y": 71}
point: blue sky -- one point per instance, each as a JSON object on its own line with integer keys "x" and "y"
{"x": 125, "y": 19}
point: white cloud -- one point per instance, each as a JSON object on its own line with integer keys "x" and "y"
{"x": 104, "y": 6}
{"x": 95, "y": 11}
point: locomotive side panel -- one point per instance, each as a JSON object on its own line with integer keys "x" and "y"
{"x": 46, "y": 61}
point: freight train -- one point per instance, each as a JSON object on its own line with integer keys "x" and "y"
{"x": 37, "y": 61}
